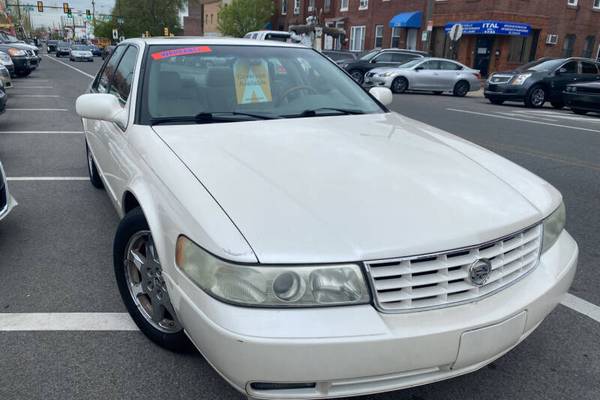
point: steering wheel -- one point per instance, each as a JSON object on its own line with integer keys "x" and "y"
{"x": 295, "y": 89}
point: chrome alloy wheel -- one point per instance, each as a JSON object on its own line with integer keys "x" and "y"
{"x": 538, "y": 97}
{"x": 143, "y": 274}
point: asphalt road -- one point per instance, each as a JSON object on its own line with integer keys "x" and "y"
{"x": 55, "y": 257}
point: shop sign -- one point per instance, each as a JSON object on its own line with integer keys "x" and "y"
{"x": 491, "y": 28}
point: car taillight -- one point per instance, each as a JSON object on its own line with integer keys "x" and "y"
{"x": 477, "y": 75}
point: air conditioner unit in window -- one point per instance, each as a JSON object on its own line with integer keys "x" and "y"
{"x": 552, "y": 39}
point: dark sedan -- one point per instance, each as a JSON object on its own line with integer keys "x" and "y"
{"x": 379, "y": 58}
{"x": 341, "y": 56}
{"x": 583, "y": 97}
{"x": 540, "y": 81}
{"x": 95, "y": 50}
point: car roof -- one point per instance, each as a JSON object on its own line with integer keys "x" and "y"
{"x": 405, "y": 51}
{"x": 195, "y": 40}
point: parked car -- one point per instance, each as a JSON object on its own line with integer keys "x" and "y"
{"x": 63, "y": 49}
{"x": 107, "y": 51}
{"x": 7, "y": 62}
{"x": 583, "y": 98}
{"x": 379, "y": 58}
{"x": 95, "y": 50}
{"x": 24, "y": 62}
{"x": 279, "y": 36}
{"x": 80, "y": 52}
{"x": 436, "y": 75}
{"x": 51, "y": 45}
{"x": 32, "y": 50}
{"x": 540, "y": 81}
{"x": 341, "y": 56}
{"x": 5, "y": 78}
{"x": 7, "y": 202}
{"x": 250, "y": 225}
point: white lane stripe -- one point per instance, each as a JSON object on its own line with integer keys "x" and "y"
{"x": 36, "y": 95}
{"x": 527, "y": 116}
{"x": 36, "y": 109}
{"x": 10, "y": 322}
{"x": 577, "y": 128}
{"x": 33, "y": 87}
{"x": 44, "y": 132}
{"x": 46, "y": 178}
{"x": 70, "y": 66}
{"x": 581, "y": 306}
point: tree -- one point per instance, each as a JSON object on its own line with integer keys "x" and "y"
{"x": 243, "y": 16}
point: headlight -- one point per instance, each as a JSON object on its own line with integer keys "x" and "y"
{"x": 270, "y": 285}
{"x": 5, "y": 58}
{"x": 16, "y": 52}
{"x": 386, "y": 74}
{"x": 520, "y": 79}
{"x": 553, "y": 226}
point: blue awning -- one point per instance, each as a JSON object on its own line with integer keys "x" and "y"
{"x": 407, "y": 20}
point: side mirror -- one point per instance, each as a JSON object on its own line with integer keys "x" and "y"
{"x": 561, "y": 71}
{"x": 103, "y": 107}
{"x": 383, "y": 95}
{"x": 373, "y": 61}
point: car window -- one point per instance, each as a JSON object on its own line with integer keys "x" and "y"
{"x": 588, "y": 68}
{"x": 570, "y": 67}
{"x": 431, "y": 65}
{"x": 120, "y": 84}
{"x": 383, "y": 57}
{"x": 450, "y": 66}
{"x": 102, "y": 85}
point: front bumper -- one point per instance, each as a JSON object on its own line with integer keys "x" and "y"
{"x": 505, "y": 91}
{"x": 347, "y": 351}
{"x": 378, "y": 81}
{"x": 82, "y": 58}
{"x": 7, "y": 202}
{"x": 21, "y": 64}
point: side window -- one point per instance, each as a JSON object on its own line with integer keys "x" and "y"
{"x": 449, "y": 66}
{"x": 102, "y": 83}
{"x": 400, "y": 58}
{"x": 588, "y": 68}
{"x": 384, "y": 57}
{"x": 123, "y": 77}
{"x": 431, "y": 65}
{"x": 570, "y": 67}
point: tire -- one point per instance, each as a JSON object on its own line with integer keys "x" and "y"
{"x": 496, "y": 101}
{"x": 357, "y": 75}
{"x": 579, "y": 111}
{"x": 93, "y": 170}
{"x": 133, "y": 241}
{"x": 557, "y": 104}
{"x": 461, "y": 88}
{"x": 399, "y": 85}
{"x": 535, "y": 97}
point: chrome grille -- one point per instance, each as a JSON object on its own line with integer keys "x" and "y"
{"x": 500, "y": 78}
{"x": 441, "y": 280}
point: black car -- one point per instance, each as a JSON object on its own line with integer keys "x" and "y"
{"x": 96, "y": 52}
{"x": 583, "y": 98}
{"x": 52, "y": 45}
{"x": 540, "y": 81}
{"x": 341, "y": 56}
{"x": 63, "y": 49}
{"x": 22, "y": 56}
{"x": 379, "y": 58}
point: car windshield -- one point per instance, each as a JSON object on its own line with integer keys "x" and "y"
{"x": 63, "y": 44}
{"x": 369, "y": 55}
{"x": 223, "y": 83}
{"x": 79, "y": 48}
{"x": 541, "y": 65}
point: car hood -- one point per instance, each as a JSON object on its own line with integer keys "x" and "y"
{"x": 333, "y": 189}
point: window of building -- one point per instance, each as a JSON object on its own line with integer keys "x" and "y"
{"x": 572, "y": 2}
{"x": 344, "y": 5}
{"x": 395, "y": 37}
{"x": 589, "y": 68}
{"x": 520, "y": 49}
{"x": 588, "y": 48}
{"x": 296, "y": 7}
{"x": 378, "y": 36}
{"x": 597, "y": 4}
{"x": 211, "y": 18}
{"x": 284, "y": 6}
{"x": 363, "y": 4}
{"x": 357, "y": 38}
{"x": 568, "y": 45}
{"x": 311, "y": 5}
{"x": 327, "y": 5}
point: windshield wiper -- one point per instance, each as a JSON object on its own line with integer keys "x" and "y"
{"x": 314, "y": 112}
{"x": 211, "y": 117}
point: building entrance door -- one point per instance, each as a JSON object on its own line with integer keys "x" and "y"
{"x": 483, "y": 54}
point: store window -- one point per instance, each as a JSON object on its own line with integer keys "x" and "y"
{"x": 378, "y": 36}
{"x": 363, "y": 4}
{"x": 296, "y": 7}
{"x": 568, "y": 45}
{"x": 357, "y": 38}
{"x": 284, "y": 6}
{"x": 344, "y": 5}
{"x": 395, "y": 38}
{"x": 588, "y": 48}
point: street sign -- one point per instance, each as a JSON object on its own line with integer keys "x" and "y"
{"x": 166, "y": 31}
{"x": 456, "y": 32}
{"x": 115, "y": 34}
{"x": 66, "y": 8}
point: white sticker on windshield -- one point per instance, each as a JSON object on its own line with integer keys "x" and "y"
{"x": 252, "y": 83}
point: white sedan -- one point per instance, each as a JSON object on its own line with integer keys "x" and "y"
{"x": 436, "y": 75}
{"x": 80, "y": 53}
{"x": 309, "y": 242}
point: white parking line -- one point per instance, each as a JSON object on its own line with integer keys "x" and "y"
{"x": 44, "y": 132}
{"x": 581, "y": 306}
{"x": 10, "y": 322}
{"x": 46, "y": 178}
{"x": 37, "y": 109}
{"x": 70, "y": 66}
{"x": 577, "y": 128}
{"x": 514, "y": 114}
{"x": 34, "y": 87}
{"x": 36, "y": 95}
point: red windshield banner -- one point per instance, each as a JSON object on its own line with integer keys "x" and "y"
{"x": 184, "y": 51}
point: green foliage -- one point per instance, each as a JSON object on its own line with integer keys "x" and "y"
{"x": 243, "y": 16}
{"x": 103, "y": 29}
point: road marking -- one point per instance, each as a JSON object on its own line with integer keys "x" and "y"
{"x": 70, "y": 66}
{"x": 10, "y": 322}
{"x": 44, "y": 132}
{"x": 37, "y": 109}
{"x": 46, "y": 178}
{"x": 35, "y": 95}
{"x": 581, "y": 306}
{"x": 561, "y": 115}
{"x": 524, "y": 120}
{"x": 33, "y": 87}
{"x": 514, "y": 114}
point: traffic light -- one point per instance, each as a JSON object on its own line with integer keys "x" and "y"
{"x": 166, "y": 31}
{"x": 40, "y": 6}
{"x": 66, "y": 8}
{"x": 88, "y": 13}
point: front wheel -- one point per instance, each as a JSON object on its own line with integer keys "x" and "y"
{"x": 535, "y": 97}
{"x": 461, "y": 89}
{"x": 399, "y": 85}
{"x": 143, "y": 289}
{"x": 93, "y": 170}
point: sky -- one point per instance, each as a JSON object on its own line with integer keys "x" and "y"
{"x": 52, "y": 17}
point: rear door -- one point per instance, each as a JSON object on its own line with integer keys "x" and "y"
{"x": 427, "y": 76}
{"x": 564, "y": 75}
{"x": 589, "y": 72}
{"x": 448, "y": 75}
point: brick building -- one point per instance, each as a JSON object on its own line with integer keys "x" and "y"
{"x": 501, "y": 34}
{"x": 202, "y": 20}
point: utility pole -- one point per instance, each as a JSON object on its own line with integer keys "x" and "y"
{"x": 94, "y": 14}
{"x": 428, "y": 18}
{"x": 19, "y": 15}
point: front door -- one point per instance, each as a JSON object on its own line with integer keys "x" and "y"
{"x": 483, "y": 54}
